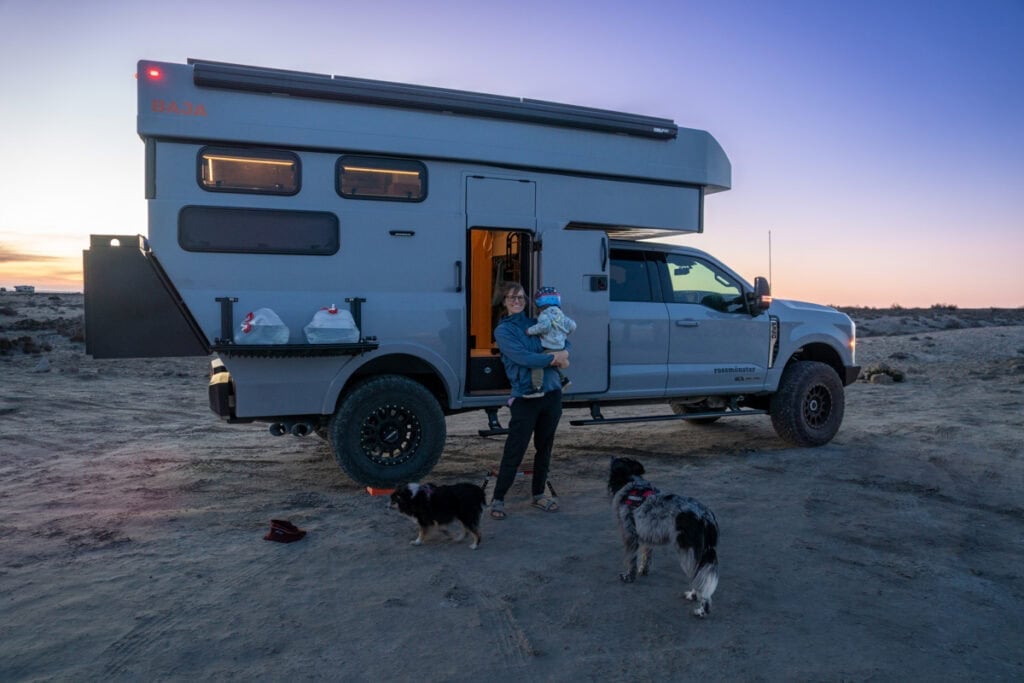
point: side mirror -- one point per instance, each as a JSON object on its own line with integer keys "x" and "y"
{"x": 762, "y": 295}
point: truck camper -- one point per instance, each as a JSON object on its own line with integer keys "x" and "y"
{"x": 273, "y": 195}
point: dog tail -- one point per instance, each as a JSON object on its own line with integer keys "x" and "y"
{"x": 700, "y": 534}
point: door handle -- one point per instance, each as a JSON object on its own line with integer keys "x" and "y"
{"x": 687, "y": 323}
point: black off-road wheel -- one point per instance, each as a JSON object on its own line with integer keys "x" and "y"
{"x": 808, "y": 407}
{"x": 387, "y": 430}
{"x": 681, "y": 409}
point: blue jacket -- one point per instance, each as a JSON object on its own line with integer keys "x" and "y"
{"x": 520, "y": 352}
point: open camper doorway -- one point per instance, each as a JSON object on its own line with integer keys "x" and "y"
{"x": 495, "y": 256}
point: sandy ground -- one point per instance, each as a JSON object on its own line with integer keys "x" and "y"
{"x": 132, "y": 522}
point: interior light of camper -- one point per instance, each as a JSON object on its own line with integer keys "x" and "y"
{"x": 364, "y": 169}
{"x": 248, "y": 160}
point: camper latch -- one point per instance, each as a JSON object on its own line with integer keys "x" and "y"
{"x": 227, "y": 324}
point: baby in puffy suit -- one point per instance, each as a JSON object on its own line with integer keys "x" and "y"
{"x": 552, "y": 326}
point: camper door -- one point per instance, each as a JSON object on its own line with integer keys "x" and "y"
{"x": 575, "y": 262}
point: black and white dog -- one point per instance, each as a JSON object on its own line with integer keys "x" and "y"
{"x": 648, "y": 518}
{"x": 430, "y": 505}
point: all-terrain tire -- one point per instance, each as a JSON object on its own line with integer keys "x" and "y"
{"x": 808, "y": 407}
{"x": 387, "y": 430}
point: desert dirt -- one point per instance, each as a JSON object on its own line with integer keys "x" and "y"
{"x": 132, "y": 523}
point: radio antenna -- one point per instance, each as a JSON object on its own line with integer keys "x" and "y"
{"x": 770, "y": 256}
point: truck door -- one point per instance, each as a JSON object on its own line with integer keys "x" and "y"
{"x": 639, "y": 326}
{"x": 715, "y": 345}
{"x": 575, "y": 262}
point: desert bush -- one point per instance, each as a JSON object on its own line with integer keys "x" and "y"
{"x": 882, "y": 369}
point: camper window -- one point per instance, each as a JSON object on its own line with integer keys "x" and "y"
{"x": 377, "y": 178}
{"x": 226, "y": 169}
{"x": 257, "y": 231}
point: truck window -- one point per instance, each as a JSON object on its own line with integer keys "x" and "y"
{"x": 694, "y": 281}
{"x": 257, "y": 231}
{"x": 630, "y": 277}
{"x": 399, "y": 180}
{"x": 227, "y": 169}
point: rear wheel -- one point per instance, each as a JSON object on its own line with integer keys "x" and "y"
{"x": 808, "y": 407}
{"x": 388, "y": 430}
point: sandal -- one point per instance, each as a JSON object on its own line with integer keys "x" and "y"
{"x": 546, "y": 504}
{"x": 498, "y": 509}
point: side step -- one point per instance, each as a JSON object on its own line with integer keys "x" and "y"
{"x": 598, "y": 419}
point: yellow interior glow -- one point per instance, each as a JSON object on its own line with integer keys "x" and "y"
{"x": 363, "y": 169}
{"x": 249, "y": 160}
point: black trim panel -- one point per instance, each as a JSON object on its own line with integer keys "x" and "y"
{"x": 131, "y": 308}
{"x": 365, "y": 91}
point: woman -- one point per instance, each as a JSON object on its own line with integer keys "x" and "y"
{"x": 537, "y": 417}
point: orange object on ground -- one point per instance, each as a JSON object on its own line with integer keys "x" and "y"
{"x": 373, "y": 491}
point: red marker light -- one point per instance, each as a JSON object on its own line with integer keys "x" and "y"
{"x": 154, "y": 73}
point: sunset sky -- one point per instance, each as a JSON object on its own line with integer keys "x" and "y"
{"x": 880, "y": 142}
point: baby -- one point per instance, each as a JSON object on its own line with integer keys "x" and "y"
{"x": 552, "y": 326}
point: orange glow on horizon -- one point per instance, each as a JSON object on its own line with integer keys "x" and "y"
{"x": 54, "y": 274}
{"x": 64, "y": 274}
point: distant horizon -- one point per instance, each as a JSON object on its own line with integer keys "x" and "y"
{"x": 894, "y": 306}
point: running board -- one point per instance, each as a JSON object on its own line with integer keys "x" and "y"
{"x": 600, "y": 420}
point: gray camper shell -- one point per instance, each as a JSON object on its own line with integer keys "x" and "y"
{"x": 406, "y": 204}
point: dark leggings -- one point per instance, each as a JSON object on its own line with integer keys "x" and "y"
{"x": 536, "y": 417}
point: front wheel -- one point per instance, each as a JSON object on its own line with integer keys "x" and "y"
{"x": 808, "y": 407}
{"x": 387, "y": 430}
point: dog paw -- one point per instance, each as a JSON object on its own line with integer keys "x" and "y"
{"x": 474, "y": 546}
{"x": 690, "y": 595}
{"x": 700, "y": 612}
{"x": 416, "y": 542}
{"x": 627, "y": 578}
{"x": 643, "y": 571}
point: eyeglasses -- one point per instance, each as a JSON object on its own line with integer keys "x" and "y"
{"x": 518, "y": 297}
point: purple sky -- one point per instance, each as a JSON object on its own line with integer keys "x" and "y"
{"x": 881, "y": 143}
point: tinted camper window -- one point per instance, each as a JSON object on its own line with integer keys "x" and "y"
{"x": 254, "y": 171}
{"x": 257, "y": 231}
{"x": 376, "y": 178}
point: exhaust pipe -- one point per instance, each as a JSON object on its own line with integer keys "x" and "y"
{"x": 278, "y": 428}
{"x": 301, "y": 428}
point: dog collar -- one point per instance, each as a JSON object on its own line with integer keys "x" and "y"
{"x": 636, "y": 495}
